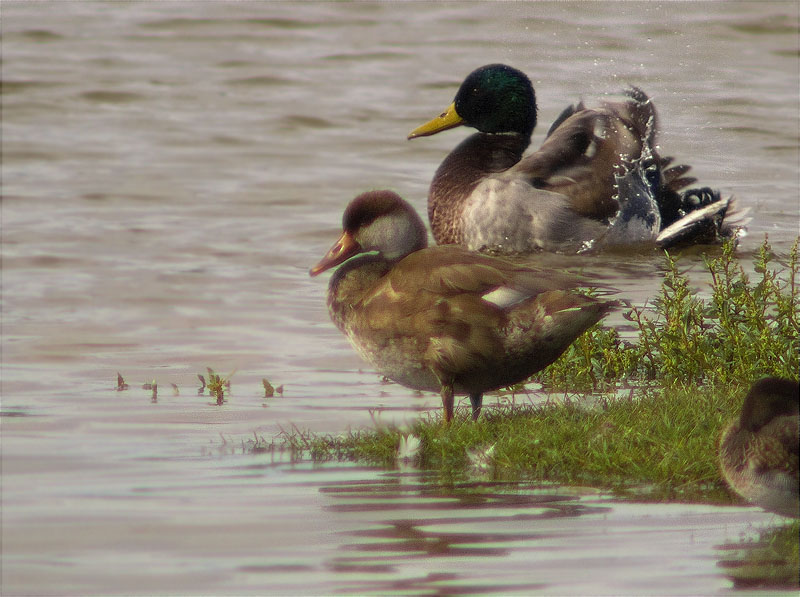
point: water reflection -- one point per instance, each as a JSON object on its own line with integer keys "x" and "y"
{"x": 415, "y": 533}
{"x": 764, "y": 563}
{"x": 420, "y": 519}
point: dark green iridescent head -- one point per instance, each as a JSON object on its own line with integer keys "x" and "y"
{"x": 497, "y": 99}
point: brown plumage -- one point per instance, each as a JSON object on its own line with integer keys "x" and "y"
{"x": 758, "y": 450}
{"x": 443, "y": 318}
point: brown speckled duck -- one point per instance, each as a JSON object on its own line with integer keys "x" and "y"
{"x": 445, "y": 319}
{"x": 596, "y": 181}
{"x": 758, "y": 451}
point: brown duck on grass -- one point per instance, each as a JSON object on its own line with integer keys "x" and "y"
{"x": 758, "y": 450}
{"x": 445, "y": 319}
{"x": 596, "y": 181}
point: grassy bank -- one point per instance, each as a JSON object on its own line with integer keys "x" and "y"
{"x": 658, "y": 443}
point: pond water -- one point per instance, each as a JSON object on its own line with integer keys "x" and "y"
{"x": 170, "y": 171}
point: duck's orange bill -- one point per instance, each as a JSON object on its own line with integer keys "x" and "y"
{"x": 342, "y": 250}
{"x": 446, "y": 120}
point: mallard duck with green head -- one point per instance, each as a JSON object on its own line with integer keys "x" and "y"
{"x": 445, "y": 319}
{"x": 758, "y": 450}
{"x": 596, "y": 181}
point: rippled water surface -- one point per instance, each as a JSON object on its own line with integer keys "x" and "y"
{"x": 170, "y": 171}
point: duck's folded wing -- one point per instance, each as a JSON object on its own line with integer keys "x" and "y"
{"x": 448, "y": 332}
{"x": 449, "y": 271}
{"x": 577, "y": 161}
{"x": 585, "y": 148}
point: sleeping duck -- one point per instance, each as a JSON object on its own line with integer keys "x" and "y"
{"x": 445, "y": 319}
{"x": 758, "y": 450}
{"x": 596, "y": 182}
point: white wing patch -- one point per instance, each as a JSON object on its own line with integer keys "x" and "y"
{"x": 505, "y": 297}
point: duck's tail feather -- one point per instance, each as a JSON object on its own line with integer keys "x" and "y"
{"x": 674, "y": 178}
{"x": 670, "y": 200}
{"x": 709, "y": 221}
{"x": 542, "y": 328}
{"x": 735, "y": 221}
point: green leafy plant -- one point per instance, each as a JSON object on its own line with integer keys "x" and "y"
{"x": 743, "y": 331}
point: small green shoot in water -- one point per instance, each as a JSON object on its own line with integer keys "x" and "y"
{"x": 153, "y": 387}
{"x": 121, "y": 385}
{"x": 257, "y": 445}
{"x": 217, "y": 385}
{"x": 269, "y": 391}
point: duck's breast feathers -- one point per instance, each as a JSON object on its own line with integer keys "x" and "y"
{"x": 475, "y": 159}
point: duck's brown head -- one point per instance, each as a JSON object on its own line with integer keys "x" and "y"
{"x": 769, "y": 398}
{"x": 376, "y": 221}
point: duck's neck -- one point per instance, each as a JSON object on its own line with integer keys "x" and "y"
{"x": 350, "y": 282}
{"x": 470, "y": 162}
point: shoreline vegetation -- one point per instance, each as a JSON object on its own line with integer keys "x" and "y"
{"x": 639, "y": 419}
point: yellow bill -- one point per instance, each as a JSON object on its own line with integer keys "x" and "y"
{"x": 446, "y": 120}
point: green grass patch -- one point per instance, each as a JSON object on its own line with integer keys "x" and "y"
{"x": 661, "y": 444}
